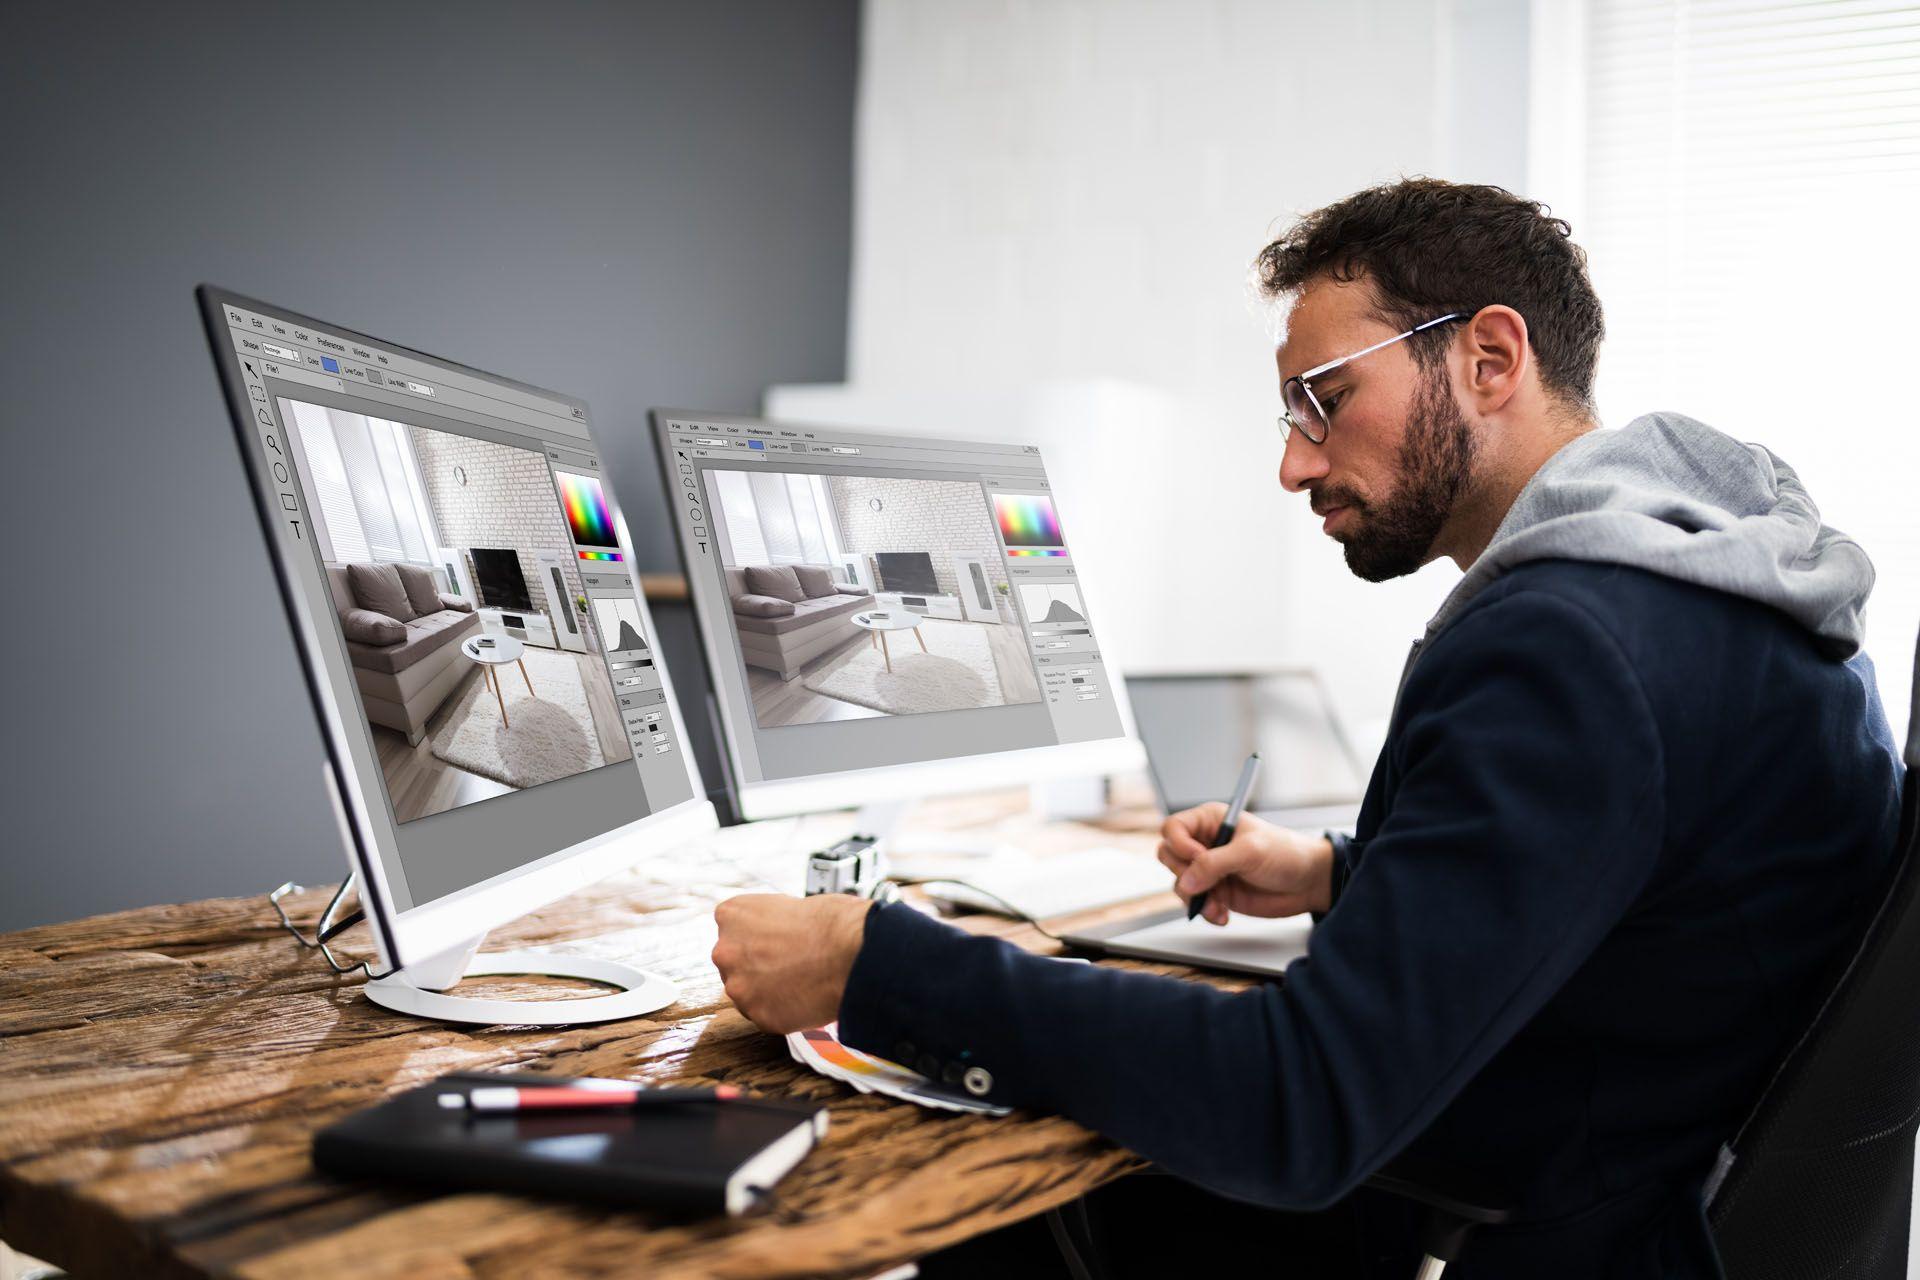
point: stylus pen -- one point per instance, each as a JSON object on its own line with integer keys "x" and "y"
{"x": 1198, "y": 902}
{"x": 505, "y": 1099}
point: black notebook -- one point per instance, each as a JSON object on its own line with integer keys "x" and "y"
{"x": 703, "y": 1157}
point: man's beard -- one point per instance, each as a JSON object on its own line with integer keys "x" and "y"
{"x": 1395, "y": 537}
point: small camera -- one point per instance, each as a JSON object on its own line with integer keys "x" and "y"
{"x": 852, "y": 866}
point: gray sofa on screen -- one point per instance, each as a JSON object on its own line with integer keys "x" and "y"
{"x": 403, "y": 637}
{"x": 788, "y": 615}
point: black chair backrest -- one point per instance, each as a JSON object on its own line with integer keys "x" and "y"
{"x": 1819, "y": 1180}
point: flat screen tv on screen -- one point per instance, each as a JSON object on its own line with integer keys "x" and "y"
{"x": 907, "y": 571}
{"x": 496, "y": 573}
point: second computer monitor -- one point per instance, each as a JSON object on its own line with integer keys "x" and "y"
{"x": 885, "y": 616}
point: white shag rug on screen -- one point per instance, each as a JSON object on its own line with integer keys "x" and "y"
{"x": 552, "y": 731}
{"x": 955, "y": 674}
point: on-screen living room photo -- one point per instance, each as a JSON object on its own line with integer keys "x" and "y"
{"x": 480, "y": 672}
{"x": 861, "y": 596}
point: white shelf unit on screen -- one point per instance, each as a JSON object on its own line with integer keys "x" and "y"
{"x": 525, "y": 625}
{"x": 927, "y": 606}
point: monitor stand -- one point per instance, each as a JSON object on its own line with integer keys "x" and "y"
{"x": 420, "y": 989}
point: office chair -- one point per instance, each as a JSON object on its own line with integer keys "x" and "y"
{"x": 1819, "y": 1179}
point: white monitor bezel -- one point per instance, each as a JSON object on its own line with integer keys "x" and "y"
{"x": 456, "y": 920}
{"x": 784, "y": 797}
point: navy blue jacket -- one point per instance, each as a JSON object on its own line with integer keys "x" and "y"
{"x": 1621, "y": 834}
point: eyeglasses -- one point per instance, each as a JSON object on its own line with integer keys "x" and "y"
{"x": 1303, "y": 409}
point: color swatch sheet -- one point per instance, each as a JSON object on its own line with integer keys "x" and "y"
{"x": 589, "y": 519}
{"x": 1027, "y": 520}
{"x": 820, "y": 1049}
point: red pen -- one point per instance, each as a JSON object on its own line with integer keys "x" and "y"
{"x": 580, "y": 1095}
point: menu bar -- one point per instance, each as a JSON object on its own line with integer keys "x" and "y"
{"x": 317, "y": 352}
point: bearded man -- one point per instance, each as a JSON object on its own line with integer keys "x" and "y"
{"x": 1637, "y": 799}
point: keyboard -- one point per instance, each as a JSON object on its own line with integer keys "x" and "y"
{"x": 1059, "y": 884}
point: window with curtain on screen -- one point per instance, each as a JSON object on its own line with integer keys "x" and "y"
{"x": 778, "y": 519}
{"x": 367, "y": 485}
{"x": 1743, "y": 176}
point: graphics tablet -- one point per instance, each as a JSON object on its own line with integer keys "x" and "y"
{"x": 1247, "y": 944}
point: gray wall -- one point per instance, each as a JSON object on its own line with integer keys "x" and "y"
{"x": 639, "y": 204}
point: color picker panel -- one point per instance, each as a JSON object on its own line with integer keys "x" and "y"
{"x": 588, "y": 517}
{"x": 1027, "y": 520}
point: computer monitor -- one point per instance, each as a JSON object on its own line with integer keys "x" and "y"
{"x": 499, "y": 729}
{"x": 885, "y": 616}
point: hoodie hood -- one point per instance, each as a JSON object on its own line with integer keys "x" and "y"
{"x": 1674, "y": 497}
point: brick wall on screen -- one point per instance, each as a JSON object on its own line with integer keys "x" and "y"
{"x": 939, "y": 517}
{"x": 507, "y": 501}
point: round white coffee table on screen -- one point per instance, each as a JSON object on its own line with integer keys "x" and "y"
{"x": 492, "y": 651}
{"x": 877, "y": 622}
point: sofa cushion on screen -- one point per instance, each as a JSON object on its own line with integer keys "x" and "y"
{"x": 763, "y": 606}
{"x": 459, "y": 604}
{"x": 377, "y": 587}
{"x": 815, "y": 580}
{"x": 807, "y": 614}
{"x": 368, "y": 627}
{"x": 736, "y": 582}
{"x": 425, "y": 637}
{"x": 341, "y": 588}
{"x": 778, "y": 581}
{"x": 421, "y": 591}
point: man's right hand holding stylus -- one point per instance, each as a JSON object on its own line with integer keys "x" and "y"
{"x": 1265, "y": 870}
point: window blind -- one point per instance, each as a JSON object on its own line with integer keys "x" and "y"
{"x": 370, "y": 500}
{"x": 775, "y": 518}
{"x": 1750, "y": 173}
{"x": 339, "y": 523}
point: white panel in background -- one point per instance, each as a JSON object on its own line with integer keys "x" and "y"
{"x": 1176, "y": 553}
{"x": 1070, "y": 195}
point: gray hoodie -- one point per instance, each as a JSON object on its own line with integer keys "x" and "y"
{"x": 1675, "y": 497}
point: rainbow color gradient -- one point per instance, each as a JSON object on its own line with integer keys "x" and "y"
{"x": 588, "y": 517}
{"x": 1027, "y": 520}
{"x": 598, "y": 555}
{"x": 1036, "y": 551}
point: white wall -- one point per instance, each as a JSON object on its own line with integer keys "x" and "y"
{"x": 1074, "y": 191}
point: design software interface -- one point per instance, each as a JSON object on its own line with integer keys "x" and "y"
{"x": 878, "y": 599}
{"x": 454, "y": 540}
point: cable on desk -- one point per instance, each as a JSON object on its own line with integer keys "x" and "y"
{"x": 1063, "y": 1241}
{"x": 1031, "y": 921}
{"x": 327, "y": 929}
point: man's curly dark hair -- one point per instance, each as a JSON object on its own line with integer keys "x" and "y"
{"x": 1428, "y": 247}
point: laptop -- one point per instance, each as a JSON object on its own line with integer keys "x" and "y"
{"x": 1199, "y": 729}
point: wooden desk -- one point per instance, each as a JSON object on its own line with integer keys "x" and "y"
{"x": 162, "y": 1073}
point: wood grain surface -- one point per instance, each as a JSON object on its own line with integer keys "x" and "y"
{"x": 164, "y": 1071}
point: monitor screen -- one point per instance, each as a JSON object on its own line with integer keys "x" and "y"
{"x": 446, "y": 545}
{"x": 906, "y": 571}
{"x": 868, "y": 600}
{"x": 496, "y": 571}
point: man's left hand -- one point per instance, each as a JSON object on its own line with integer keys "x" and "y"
{"x": 784, "y": 960}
